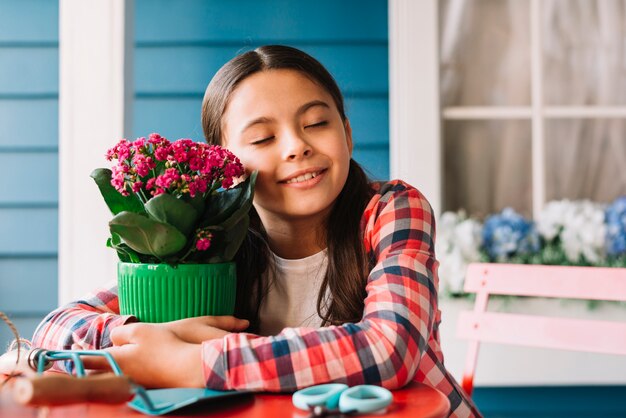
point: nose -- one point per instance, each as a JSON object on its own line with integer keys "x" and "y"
{"x": 296, "y": 147}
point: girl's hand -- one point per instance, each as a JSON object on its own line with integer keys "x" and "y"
{"x": 155, "y": 356}
{"x": 166, "y": 354}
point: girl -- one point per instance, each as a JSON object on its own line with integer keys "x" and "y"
{"x": 337, "y": 277}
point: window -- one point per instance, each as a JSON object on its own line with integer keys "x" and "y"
{"x": 533, "y": 103}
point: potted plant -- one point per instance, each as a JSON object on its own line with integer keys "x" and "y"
{"x": 180, "y": 215}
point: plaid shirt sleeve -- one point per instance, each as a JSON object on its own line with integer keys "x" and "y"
{"x": 82, "y": 325}
{"x": 384, "y": 348}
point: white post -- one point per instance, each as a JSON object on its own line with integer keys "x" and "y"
{"x": 415, "y": 143}
{"x": 538, "y": 153}
{"x": 95, "y": 47}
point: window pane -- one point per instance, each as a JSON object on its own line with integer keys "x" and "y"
{"x": 485, "y": 52}
{"x": 487, "y": 166}
{"x": 584, "y": 50}
{"x": 585, "y": 159}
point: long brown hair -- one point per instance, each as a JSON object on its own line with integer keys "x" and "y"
{"x": 347, "y": 271}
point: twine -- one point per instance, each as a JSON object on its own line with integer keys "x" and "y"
{"x": 17, "y": 342}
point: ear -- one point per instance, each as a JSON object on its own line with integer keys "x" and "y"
{"x": 348, "y": 129}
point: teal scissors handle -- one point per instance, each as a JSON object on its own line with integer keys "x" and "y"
{"x": 337, "y": 396}
{"x": 364, "y": 398}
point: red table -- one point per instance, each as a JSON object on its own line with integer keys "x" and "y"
{"x": 415, "y": 400}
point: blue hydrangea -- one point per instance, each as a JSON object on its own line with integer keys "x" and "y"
{"x": 507, "y": 234}
{"x": 615, "y": 218}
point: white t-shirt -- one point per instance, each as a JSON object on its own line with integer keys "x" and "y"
{"x": 292, "y": 297}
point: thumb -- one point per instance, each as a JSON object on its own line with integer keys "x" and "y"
{"x": 122, "y": 334}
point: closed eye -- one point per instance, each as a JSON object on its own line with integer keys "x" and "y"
{"x": 262, "y": 141}
{"x": 315, "y": 125}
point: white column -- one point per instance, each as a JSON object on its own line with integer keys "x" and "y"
{"x": 414, "y": 110}
{"x": 538, "y": 153}
{"x": 95, "y": 99}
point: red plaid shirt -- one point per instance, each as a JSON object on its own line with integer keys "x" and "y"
{"x": 396, "y": 341}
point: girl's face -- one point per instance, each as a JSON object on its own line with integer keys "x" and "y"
{"x": 287, "y": 127}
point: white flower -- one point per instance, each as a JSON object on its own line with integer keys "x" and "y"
{"x": 584, "y": 232}
{"x": 458, "y": 243}
{"x": 550, "y": 220}
{"x": 580, "y": 226}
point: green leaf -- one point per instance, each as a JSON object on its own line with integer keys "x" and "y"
{"x": 168, "y": 209}
{"x": 120, "y": 253}
{"x": 124, "y": 252}
{"x": 114, "y": 200}
{"x": 224, "y": 204}
{"x": 234, "y": 237}
{"x": 197, "y": 202}
{"x": 147, "y": 236}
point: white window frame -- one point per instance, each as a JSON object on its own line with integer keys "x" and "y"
{"x": 415, "y": 113}
{"x": 414, "y": 110}
{"x": 95, "y": 100}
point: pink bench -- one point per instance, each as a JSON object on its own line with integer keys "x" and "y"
{"x": 589, "y": 283}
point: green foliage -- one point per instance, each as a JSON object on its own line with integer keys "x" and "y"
{"x": 147, "y": 235}
{"x": 114, "y": 200}
{"x": 173, "y": 211}
{"x": 166, "y": 227}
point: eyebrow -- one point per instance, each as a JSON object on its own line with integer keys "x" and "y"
{"x": 300, "y": 111}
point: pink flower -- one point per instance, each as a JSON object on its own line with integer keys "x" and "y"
{"x": 193, "y": 189}
{"x": 137, "y": 186}
{"x": 203, "y": 244}
{"x": 156, "y": 139}
{"x": 110, "y": 154}
{"x": 121, "y": 151}
{"x": 157, "y": 191}
{"x": 197, "y": 186}
{"x": 143, "y": 164}
{"x": 233, "y": 169}
{"x": 139, "y": 143}
{"x": 203, "y": 239}
{"x": 202, "y": 184}
{"x": 195, "y": 163}
{"x": 227, "y": 182}
{"x": 167, "y": 178}
{"x": 118, "y": 182}
{"x": 182, "y": 167}
{"x": 162, "y": 152}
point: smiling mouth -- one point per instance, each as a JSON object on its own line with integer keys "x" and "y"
{"x": 304, "y": 177}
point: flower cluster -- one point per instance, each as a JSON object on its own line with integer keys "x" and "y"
{"x": 565, "y": 232}
{"x": 578, "y": 227}
{"x": 458, "y": 242}
{"x": 508, "y": 234}
{"x": 175, "y": 202}
{"x": 155, "y": 166}
{"x": 616, "y": 227}
{"x": 203, "y": 239}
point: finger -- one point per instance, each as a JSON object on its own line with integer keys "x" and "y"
{"x": 101, "y": 363}
{"x": 208, "y": 333}
{"x": 228, "y": 323}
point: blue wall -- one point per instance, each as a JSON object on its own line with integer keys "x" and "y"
{"x": 178, "y": 49}
{"x": 179, "y": 46}
{"x": 29, "y": 161}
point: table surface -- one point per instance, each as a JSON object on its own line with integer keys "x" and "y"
{"x": 415, "y": 400}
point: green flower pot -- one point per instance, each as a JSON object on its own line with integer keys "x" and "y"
{"x": 162, "y": 293}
